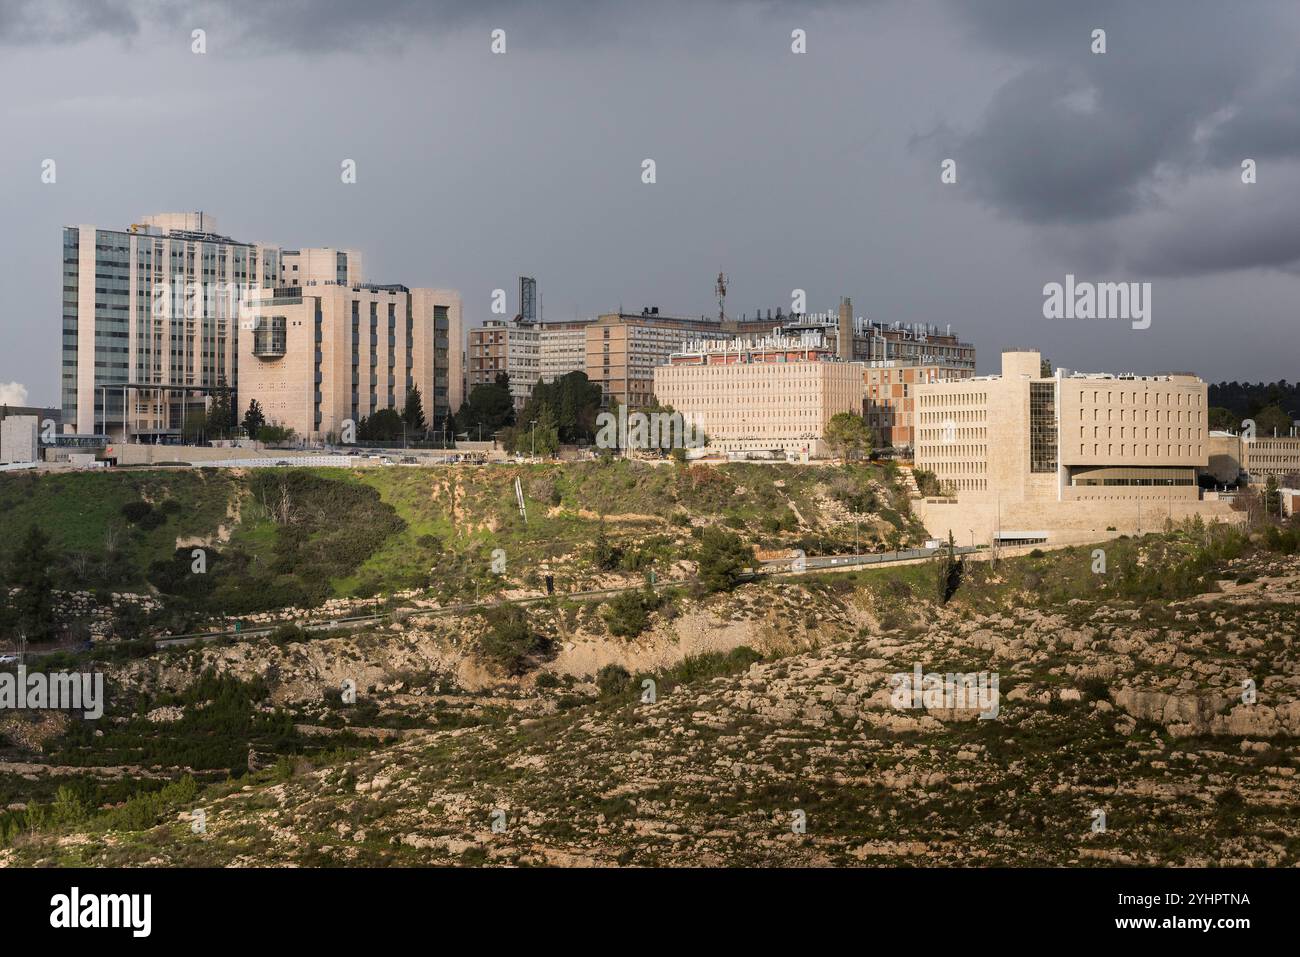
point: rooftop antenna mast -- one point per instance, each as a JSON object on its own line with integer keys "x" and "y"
{"x": 722, "y": 297}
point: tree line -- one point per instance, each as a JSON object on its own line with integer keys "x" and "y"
{"x": 1274, "y": 406}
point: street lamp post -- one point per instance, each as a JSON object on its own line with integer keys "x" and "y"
{"x": 532, "y": 429}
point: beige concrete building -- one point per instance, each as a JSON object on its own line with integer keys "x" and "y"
{"x": 511, "y": 347}
{"x": 1227, "y": 457}
{"x": 1275, "y": 455}
{"x": 316, "y": 355}
{"x": 889, "y": 396}
{"x": 308, "y": 267}
{"x": 623, "y": 350}
{"x": 151, "y": 327}
{"x": 561, "y": 348}
{"x": 1234, "y": 456}
{"x": 769, "y": 394}
{"x": 527, "y": 352}
{"x": 896, "y": 357}
{"x": 18, "y": 438}
{"x": 1079, "y": 451}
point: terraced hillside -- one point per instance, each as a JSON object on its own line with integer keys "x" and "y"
{"x": 1146, "y": 715}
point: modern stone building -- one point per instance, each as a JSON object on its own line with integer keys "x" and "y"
{"x": 770, "y": 394}
{"x": 509, "y": 346}
{"x": 889, "y": 396}
{"x": 317, "y": 355}
{"x": 623, "y": 350}
{"x": 1021, "y": 435}
{"x": 309, "y": 267}
{"x": 1275, "y": 455}
{"x": 151, "y": 318}
{"x": 1074, "y": 450}
{"x": 1233, "y": 457}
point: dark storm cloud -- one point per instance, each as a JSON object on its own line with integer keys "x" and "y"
{"x": 1264, "y": 125}
{"x": 1090, "y": 140}
{"x": 25, "y": 22}
{"x": 1219, "y": 225}
{"x": 267, "y": 25}
{"x": 328, "y": 25}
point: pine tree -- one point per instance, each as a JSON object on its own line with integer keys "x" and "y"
{"x": 413, "y": 413}
{"x": 33, "y": 606}
{"x": 545, "y": 439}
{"x": 948, "y": 568}
{"x": 254, "y": 419}
{"x": 221, "y": 416}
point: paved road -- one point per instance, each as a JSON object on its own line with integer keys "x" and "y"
{"x": 868, "y": 558}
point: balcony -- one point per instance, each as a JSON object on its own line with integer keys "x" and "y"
{"x": 270, "y": 337}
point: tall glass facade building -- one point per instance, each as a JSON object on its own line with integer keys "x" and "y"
{"x": 150, "y": 321}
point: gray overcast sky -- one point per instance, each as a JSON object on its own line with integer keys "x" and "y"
{"x": 817, "y": 171}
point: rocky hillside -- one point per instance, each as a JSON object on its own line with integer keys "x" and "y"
{"x": 295, "y": 538}
{"x": 1126, "y": 732}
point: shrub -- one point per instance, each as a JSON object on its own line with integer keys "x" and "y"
{"x": 628, "y": 614}
{"x": 853, "y": 493}
{"x": 133, "y": 512}
{"x": 510, "y": 640}
{"x": 722, "y": 558}
{"x": 1095, "y": 689}
{"x": 613, "y": 680}
{"x": 604, "y": 555}
{"x": 286, "y": 633}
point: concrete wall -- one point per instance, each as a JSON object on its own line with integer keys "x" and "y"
{"x": 1069, "y": 521}
{"x": 18, "y": 438}
{"x": 198, "y": 454}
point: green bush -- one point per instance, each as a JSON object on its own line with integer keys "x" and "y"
{"x": 604, "y": 554}
{"x": 287, "y": 632}
{"x": 133, "y": 512}
{"x": 613, "y": 680}
{"x": 628, "y": 614}
{"x": 722, "y": 558}
{"x": 1095, "y": 689}
{"x": 510, "y": 640}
